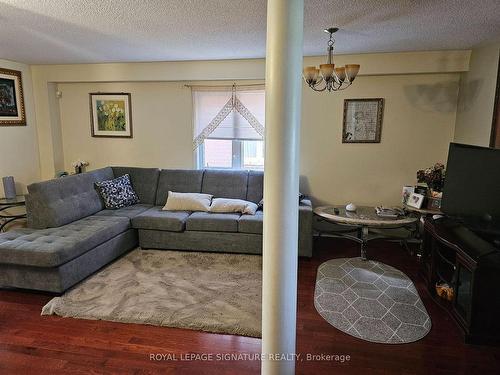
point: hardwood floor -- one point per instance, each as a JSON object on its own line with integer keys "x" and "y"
{"x": 32, "y": 344}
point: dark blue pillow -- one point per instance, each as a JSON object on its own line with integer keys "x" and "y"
{"x": 117, "y": 193}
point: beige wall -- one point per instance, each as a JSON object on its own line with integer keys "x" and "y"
{"x": 161, "y": 118}
{"x": 477, "y": 97}
{"x": 420, "y": 91}
{"x": 418, "y": 123}
{"x": 18, "y": 144}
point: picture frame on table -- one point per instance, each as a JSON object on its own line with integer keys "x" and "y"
{"x": 415, "y": 200}
{"x": 405, "y": 194}
{"x": 434, "y": 203}
{"x": 362, "y": 121}
{"x": 12, "y": 112}
{"x": 111, "y": 115}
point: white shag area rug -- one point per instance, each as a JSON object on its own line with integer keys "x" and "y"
{"x": 211, "y": 292}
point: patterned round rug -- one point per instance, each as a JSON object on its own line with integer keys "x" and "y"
{"x": 370, "y": 300}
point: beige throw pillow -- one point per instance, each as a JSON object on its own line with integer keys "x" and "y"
{"x": 187, "y": 202}
{"x": 233, "y": 205}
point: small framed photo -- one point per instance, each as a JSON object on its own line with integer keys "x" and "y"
{"x": 405, "y": 194}
{"x": 11, "y": 98}
{"x": 362, "y": 120}
{"x": 415, "y": 200}
{"x": 111, "y": 115}
{"x": 434, "y": 203}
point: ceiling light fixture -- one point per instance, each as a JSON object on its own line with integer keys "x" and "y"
{"x": 334, "y": 79}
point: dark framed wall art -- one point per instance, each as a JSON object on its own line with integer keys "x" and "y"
{"x": 11, "y": 98}
{"x": 362, "y": 120}
{"x": 111, "y": 115}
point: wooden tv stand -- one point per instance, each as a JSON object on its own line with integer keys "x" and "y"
{"x": 471, "y": 266}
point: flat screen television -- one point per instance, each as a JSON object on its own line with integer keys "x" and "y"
{"x": 471, "y": 190}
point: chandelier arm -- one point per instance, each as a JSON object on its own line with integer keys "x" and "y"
{"x": 319, "y": 90}
{"x": 335, "y": 86}
{"x": 316, "y": 85}
{"x": 343, "y": 88}
{"x": 335, "y": 76}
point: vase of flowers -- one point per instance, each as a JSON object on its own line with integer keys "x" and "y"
{"x": 79, "y": 166}
{"x": 433, "y": 177}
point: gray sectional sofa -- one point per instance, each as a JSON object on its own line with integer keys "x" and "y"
{"x": 70, "y": 235}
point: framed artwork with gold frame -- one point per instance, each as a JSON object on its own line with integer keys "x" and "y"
{"x": 11, "y": 98}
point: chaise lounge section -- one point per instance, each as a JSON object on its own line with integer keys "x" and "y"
{"x": 71, "y": 235}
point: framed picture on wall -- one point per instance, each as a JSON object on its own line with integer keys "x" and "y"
{"x": 362, "y": 120}
{"x": 11, "y": 98}
{"x": 111, "y": 115}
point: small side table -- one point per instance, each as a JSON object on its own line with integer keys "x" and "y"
{"x": 5, "y": 204}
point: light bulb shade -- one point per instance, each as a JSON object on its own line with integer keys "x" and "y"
{"x": 311, "y": 74}
{"x": 352, "y": 71}
{"x": 327, "y": 71}
{"x": 340, "y": 73}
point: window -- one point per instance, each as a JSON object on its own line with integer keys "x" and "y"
{"x": 229, "y": 128}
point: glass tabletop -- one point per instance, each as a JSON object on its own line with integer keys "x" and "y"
{"x": 364, "y": 215}
{"x": 17, "y": 201}
{"x": 362, "y": 212}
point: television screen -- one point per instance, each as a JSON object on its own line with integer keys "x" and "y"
{"x": 472, "y": 183}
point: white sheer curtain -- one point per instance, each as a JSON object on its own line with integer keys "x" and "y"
{"x": 228, "y": 113}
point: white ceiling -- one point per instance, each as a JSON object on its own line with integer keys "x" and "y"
{"x": 82, "y": 31}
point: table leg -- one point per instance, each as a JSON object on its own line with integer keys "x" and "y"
{"x": 364, "y": 237}
{"x": 4, "y": 223}
{"x": 420, "y": 235}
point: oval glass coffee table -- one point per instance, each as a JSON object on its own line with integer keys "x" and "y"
{"x": 360, "y": 222}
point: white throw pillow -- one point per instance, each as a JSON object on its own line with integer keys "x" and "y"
{"x": 187, "y": 202}
{"x": 233, "y": 205}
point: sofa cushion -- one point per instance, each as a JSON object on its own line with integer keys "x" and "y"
{"x": 157, "y": 219}
{"x": 144, "y": 181}
{"x": 233, "y": 205}
{"x": 52, "y": 247}
{"x": 129, "y": 211}
{"x": 251, "y": 223}
{"x": 117, "y": 193}
{"x": 61, "y": 201}
{"x": 187, "y": 201}
{"x": 255, "y": 186}
{"x": 179, "y": 180}
{"x": 225, "y": 183}
{"x": 211, "y": 222}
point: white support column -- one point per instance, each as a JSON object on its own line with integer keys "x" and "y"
{"x": 281, "y": 183}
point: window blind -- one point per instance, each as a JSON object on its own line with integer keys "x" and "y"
{"x": 228, "y": 114}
